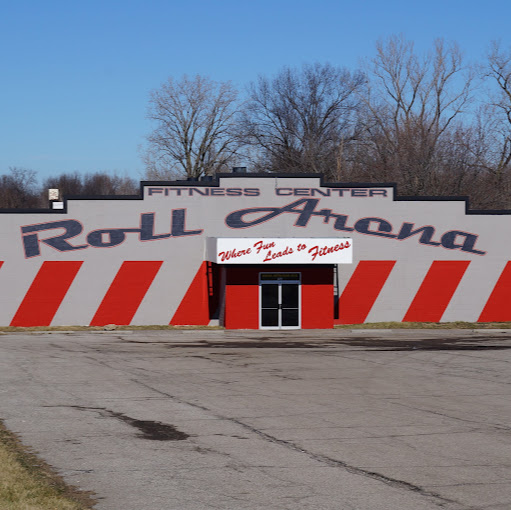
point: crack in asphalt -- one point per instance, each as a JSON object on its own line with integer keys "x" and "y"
{"x": 394, "y": 482}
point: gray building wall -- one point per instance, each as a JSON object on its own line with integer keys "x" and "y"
{"x": 481, "y": 240}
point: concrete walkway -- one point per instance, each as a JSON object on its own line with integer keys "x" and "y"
{"x": 335, "y": 420}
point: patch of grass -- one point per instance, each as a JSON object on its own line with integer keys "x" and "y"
{"x": 367, "y": 325}
{"x": 427, "y": 325}
{"x": 156, "y": 327}
{"x": 28, "y": 483}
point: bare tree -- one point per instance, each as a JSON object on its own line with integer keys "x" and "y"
{"x": 102, "y": 183}
{"x": 67, "y": 183}
{"x": 487, "y": 141}
{"x": 301, "y": 120}
{"x": 411, "y": 106}
{"x": 91, "y": 184}
{"x": 498, "y": 111}
{"x": 18, "y": 189}
{"x": 194, "y": 133}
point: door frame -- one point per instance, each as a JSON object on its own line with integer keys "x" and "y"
{"x": 280, "y": 282}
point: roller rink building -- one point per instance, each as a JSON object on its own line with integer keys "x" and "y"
{"x": 255, "y": 251}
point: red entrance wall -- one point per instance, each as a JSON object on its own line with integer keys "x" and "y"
{"x": 318, "y": 297}
{"x": 242, "y": 295}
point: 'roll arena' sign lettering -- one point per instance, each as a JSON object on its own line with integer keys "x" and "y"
{"x": 304, "y": 209}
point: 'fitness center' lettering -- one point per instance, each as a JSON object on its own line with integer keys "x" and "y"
{"x": 255, "y": 192}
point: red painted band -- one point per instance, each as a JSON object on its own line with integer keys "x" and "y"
{"x": 46, "y": 293}
{"x": 362, "y": 290}
{"x": 126, "y": 292}
{"x": 436, "y": 291}
{"x": 194, "y": 307}
{"x": 497, "y": 308}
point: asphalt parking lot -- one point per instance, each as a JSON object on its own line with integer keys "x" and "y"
{"x": 198, "y": 420}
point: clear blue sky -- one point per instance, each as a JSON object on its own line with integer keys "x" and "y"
{"x": 75, "y": 76}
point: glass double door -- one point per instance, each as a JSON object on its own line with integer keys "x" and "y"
{"x": 279, "y": 300}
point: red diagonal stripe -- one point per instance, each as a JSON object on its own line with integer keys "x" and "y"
{"x": 498, "y": 306}
{"x": 126, "y": 292}
{"x": 436, "y": 291}
{"x": 46, "y": 293}
{"x": 194, "y": 307}
{"x": 362, "y": 290}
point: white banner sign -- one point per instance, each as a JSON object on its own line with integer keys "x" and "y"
{"x": 291, "y": 250}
